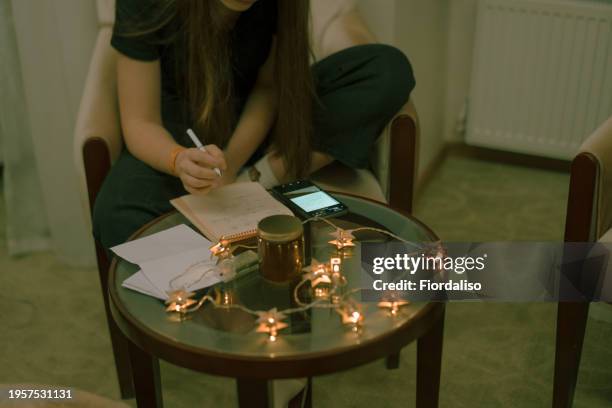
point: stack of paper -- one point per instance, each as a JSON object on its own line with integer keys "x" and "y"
{"x": 172, "y": 259}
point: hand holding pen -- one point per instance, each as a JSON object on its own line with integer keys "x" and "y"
{"x": 200, "y": 168}
{"x": 201, "y": 147}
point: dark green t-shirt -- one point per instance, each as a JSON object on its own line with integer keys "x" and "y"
{"x": 251, "y": 39}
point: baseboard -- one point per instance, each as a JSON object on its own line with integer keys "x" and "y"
{"x": 500, "y": 156}
{"x": 481, "y": 153}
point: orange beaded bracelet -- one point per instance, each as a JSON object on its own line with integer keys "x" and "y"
{"x": 173, "y": 154}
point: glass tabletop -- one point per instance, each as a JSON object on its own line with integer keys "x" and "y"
{"x": 316, "y": 330}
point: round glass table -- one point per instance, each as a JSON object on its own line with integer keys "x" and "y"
{"x": 223, "y": 341}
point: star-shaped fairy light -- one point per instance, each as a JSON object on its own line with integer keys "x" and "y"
{"x": 271, "y": 322}
{"x": 179, "y": 301}
{"x": 338, "y": 279}
{"x": 221, "y": 250}
{"x": 394, "y": 306}
{"x": 343, "y": 238}
{"x": 351, "y": 316}
{"x": 317, "y": 273}
{"x": 334, "y": 265}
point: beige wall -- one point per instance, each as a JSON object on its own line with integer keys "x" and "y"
{"x": 421, "y": 32}
{"x": 461, "y": 31}
{"x": 420, "y": 29}
{"x": 55, "y": 40}
{"x": 438, "y": 37}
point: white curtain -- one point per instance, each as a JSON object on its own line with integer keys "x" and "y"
{"x": 45, "y": 48}
{"x": 26, "y": 223}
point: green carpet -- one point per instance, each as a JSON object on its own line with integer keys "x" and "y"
{"x": 495, "y": 355}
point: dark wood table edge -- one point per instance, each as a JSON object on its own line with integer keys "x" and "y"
{"x": 255, "y": 367}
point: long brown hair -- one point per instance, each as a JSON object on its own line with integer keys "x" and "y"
{"x": 208, "y": 80}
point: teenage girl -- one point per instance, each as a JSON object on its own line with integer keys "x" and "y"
{"x": 238, "y": 72}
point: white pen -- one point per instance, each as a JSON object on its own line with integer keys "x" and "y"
{"x": 201, "y": 147}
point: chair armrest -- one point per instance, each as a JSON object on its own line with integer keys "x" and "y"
{"x": 394, "y": 162}
{"x": 598, "y": 149}
{"x": 345, "y": 31}
{"x": 97, "y": 135}
{"x": 580, "y": 217}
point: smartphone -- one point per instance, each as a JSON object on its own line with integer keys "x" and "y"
{"x": 308, "y": 200}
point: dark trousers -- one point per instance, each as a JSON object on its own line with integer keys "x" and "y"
{"x": 359, "y": 90}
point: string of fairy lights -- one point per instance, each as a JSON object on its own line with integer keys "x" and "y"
{"x": 324, "y": 282}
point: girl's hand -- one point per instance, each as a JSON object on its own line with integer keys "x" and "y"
{"x": 195, "y": 168}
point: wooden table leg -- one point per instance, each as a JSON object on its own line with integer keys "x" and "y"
{"x": 429, "y": 365}
{"x": 308, "y": 401}
{"x": 147, "y": 384}
{"x": 252, "y": 393}
{"x": 304, "y": 398}
{"x": 392, "y": 361}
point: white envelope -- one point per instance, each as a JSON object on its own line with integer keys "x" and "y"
{"x": 167, "y": 255}
{"x": 165, "y": 243}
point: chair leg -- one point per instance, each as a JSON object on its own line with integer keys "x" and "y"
{"x": 122, "y": 360}
{"x": 429, "y": 365}
{"x": 118, "y": 341}
{"x": 571, "y": 326}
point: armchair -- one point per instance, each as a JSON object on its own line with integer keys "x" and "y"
{"x": 336, "y": 24}
{"x": 588, "y": 219}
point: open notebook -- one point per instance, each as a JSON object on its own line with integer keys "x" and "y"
{"x": 231, "y": 212}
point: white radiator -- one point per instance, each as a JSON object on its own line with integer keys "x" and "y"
{"x": 542, "y": 75}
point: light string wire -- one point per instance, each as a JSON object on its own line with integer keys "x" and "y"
{"x": 319, "y": 303}
{"x": 379, "y": 230}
